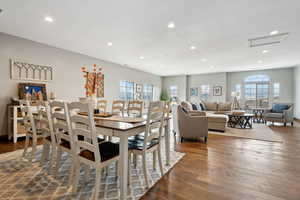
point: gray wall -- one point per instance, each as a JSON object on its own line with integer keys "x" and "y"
{"x": 283, "y": 76}
{"x": 179, "y": 81}
{"x": 297, "y": 91}
{"x": 68, "y": 83}
{"x": 215, "y": 79}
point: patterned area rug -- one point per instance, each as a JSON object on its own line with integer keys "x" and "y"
{"x": 258, "y": 132}
{"x": 18, "y": 180}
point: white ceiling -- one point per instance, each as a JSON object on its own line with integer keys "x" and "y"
{"x": 219, "y": 30}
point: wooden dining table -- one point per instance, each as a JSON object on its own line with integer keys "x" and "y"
{"x": 123, "y": 130}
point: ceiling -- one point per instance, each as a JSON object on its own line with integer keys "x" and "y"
{"x": 138, "y": 28}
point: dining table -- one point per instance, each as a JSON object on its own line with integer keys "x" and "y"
{"x": 123, "y": 129}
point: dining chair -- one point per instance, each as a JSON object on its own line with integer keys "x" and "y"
{"x": 118, "y": 107}
{"x": 135, "y": 108}
{"x": 102, "y": 105}
{"x": 49, "y": 138}
{"x": 62, "y": 130}
{"x": 150, "y": 143}
{"x": 32, "y": 132}
{"x": 89, "y": 152}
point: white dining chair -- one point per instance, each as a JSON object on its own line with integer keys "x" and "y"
{"x": 151, "y": 141}
{"x": 102, "y": 105}
{"x": 63, "y": 133}
{"x": 88, "y": 151}
{"x": 32, "y": 132}
{"x": 135, "y": 108}
{"x": 118, "y": 107}
{"x": 49, "y": 138}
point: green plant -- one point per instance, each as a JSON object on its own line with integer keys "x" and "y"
{"x": 164, "y": 96}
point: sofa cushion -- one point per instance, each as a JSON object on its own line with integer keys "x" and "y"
{"x": 187, "y": 105}
{"x": 216, "y": 118}
{"x": 224, "y": 106}
{"x": 279, "y": 108}
{"x": 211, "y": 106}
{"x": 275, "y": 115}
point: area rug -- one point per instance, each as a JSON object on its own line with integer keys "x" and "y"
{"x": 258, "y": 132}
{"x": 19, "y": 180}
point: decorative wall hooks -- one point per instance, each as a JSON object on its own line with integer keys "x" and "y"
{"x": 30, "y": 72}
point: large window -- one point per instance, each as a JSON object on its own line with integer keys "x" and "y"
{"x": 173, "y": 92}
{"x": 204, "y": 92}
{"x": 148, "y": 92}
{"x": 257, "y": 91}
{"x": 126, "y": 90}
{"x": 276, "y": 90}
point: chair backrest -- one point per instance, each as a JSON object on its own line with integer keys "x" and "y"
{"x": 175, "y": 118}
{"x": 27, "y": 115}
{"x": 135, "y": 108}
{"x": 45, "y": 120}
{"x": 102, "y": 105}
{"x": 118, "y": 107}
{"x": 155, "y": 122}
{"x": 84, "y": 126}
{"x": 61, "y": 122}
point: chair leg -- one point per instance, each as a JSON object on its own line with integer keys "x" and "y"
{"x": 154, "y": 159}
{"x": 135, "y": 158}
{"x": 58, "y": 158}
{"x": 97, "y": 183}
{"x": 117, "y": 168}
{"x": 53, "y": 156}
{"x": 160, "y": 161}
{"x": 45, "y": 153}
{"x": 145, "y": 169}
{"x": 284, "y": 124}
{"x": 34, "y": 145}
{"x": 292, "y": 123}
{"x": 72, "y": 170}
{"x": 76, "y": 175}
{"x": 205, "y": 139}
{"x": 26, "y": 145}
{"x": 86, "y": 173}
{"x": 129, "y": 169}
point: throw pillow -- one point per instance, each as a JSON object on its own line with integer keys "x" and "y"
{"x": 194, "y": 106}
{"x": 202, "y": 106}
{"x": 279, "y": 108}
{"x": 199, "y": 107}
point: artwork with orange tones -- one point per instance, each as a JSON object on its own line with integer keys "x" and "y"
{"x": 94, "y": 81}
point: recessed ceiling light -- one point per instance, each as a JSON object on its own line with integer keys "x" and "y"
{"x": 192, "y": 47}
{"x": 274, "y": 32}
{"x": 203, "y": 60}
{"x": 171, "y": 25}
{"x": 260, "y": 61}
{"x": 265, "y": 51}
{"x": 49, "y": 19}
{"x": 109, "y": 44}
{"x": 142, "y": 57}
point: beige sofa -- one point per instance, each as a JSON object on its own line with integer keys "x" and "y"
{"x": 215, "y": 113}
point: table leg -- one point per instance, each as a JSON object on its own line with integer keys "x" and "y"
{"x": 124, "y": 165}
{"x": 167, "y": 142}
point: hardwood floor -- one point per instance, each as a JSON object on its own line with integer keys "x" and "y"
{"x": 235, "y": 169}
{"x": 229, "y": 168}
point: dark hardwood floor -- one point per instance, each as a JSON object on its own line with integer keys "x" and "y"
{"x": 235, "y": 169}
{"x": 229, "y": 168}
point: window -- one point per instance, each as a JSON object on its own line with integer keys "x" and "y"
{"x": 204, "y": 92}
{"x": 257, "y": 91}
{"x": 126, "y": 90}
{"x": 148, "y": 92}
{"x": 238, "y": 90}
{"x": 276, "y": 90}
{"x": 174, "y": 92}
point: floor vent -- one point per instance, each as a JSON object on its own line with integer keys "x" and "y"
{"x": 268, "y": 40}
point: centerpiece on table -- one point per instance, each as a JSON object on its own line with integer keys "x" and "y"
{"x": 94, "y": 85}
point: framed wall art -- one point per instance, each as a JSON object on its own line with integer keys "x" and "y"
{"x": 217, "y": 91}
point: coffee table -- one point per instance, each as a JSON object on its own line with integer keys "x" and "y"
{"x": 240, "y": 120}
{"x": 258, "y": 115}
